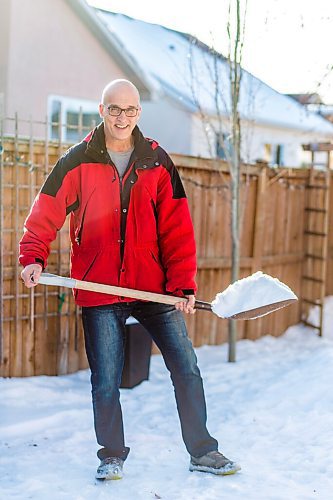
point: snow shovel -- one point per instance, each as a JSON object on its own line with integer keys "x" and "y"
{"x": 248, "y": 298}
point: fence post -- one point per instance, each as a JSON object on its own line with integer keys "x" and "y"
{"x": 251, "y": 328}
{"x": 259, "y": 221}
{"x": 2, "y": 147}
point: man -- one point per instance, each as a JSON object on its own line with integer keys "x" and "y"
{"x": 130, "y": 226}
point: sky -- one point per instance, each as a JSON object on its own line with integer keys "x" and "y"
{"x": 288, "y": 43}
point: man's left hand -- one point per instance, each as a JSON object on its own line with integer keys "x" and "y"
{"x": 188, "y": 306}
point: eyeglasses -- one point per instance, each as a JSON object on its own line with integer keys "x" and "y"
{"x": 116, "y": 111}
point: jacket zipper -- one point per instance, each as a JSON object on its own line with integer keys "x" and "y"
{"x": 121, "y": 241}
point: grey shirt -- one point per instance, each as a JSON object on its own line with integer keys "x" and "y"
{"x": 120, "y": 159}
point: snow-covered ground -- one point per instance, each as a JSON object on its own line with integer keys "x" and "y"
{"x": 272, "y": 411}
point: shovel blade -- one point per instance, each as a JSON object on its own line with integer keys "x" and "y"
{"x": 261, "y": 311}
{"x": 252, "y": 297}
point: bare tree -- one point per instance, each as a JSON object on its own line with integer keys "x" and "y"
{"x": 226, "y": 125}
{"x": 236, "y": 42}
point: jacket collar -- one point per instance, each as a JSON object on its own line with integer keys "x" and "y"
{"x": 96, "y": 147}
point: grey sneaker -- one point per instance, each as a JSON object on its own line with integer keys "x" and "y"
{"x": 110, "y": 468}
{"x": 215, "y": 463}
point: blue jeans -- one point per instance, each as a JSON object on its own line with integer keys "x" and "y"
{"x": 104, "y": 329}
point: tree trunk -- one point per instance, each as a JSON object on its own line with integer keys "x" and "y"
{"x": 235, "y": 78}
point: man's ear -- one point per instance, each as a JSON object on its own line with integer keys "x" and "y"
{"x": 101, "y": 110}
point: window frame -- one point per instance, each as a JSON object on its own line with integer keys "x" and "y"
{"x": 68, "y": 105}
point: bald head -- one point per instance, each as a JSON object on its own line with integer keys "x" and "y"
{"x": 120, "y": 109}
{"x": 120, "y": 89}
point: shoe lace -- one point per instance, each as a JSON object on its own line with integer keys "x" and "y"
{"x": 220, "y": 459}
{"x": 112, "y": 460}
{"x": 217, "y": 454}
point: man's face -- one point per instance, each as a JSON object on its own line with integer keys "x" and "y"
{"x": 118, "y": 129}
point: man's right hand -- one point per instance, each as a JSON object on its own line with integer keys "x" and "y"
{"x": 31, "y": 274}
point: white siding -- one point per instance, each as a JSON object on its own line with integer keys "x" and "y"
{"x": 168, "y": 124}
{"x": 254, "y": 139}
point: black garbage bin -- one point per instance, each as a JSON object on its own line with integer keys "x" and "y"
{"x": 138, "y": 346}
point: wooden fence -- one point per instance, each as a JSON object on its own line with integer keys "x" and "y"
{"x": 40, "y": 328}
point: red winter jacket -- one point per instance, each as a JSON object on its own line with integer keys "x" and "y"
{"x": 135, "y": 233}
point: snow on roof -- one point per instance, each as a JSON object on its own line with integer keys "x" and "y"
{"x": 184, "y": 70}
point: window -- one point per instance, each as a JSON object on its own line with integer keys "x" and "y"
{"x": 71, "y": 119}
{"x": 268, "y": 153}
{"x": 223, "y": 146}
{"x": 279, "y": 155}
{"x": 274, "y": 154}
{"x": 55, "y": 119}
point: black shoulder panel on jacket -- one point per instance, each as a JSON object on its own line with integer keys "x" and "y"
{"x": 73, "y": 207}
{"x": 68, "y": 161}
{"x": 166, "y": 162}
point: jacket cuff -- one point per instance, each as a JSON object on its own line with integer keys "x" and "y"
{"x": 181, "y": 293}
{"x": 25, "y": 261}
{"x": 41, "y": 262}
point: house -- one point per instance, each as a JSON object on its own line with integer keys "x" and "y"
{"x": 313, "y": 102}
{"x": 55, "y": 57}
{"x": 184, "y": 71}
{"x": 58, "y": 55}
{"x": 312, "y": 98}
{"x": 325, "y": 110}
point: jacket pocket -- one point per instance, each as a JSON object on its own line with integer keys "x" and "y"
{"x": 154, "y": 255}
{"x": 78, "y": 232}
{"x": 79, "y": 224}
{"x": 82, "y": 263}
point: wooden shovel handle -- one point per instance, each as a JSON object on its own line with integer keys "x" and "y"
{"x": 128, "y": 292}
{"x": 53, "y": 279}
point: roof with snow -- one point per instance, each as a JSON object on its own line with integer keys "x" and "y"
{"x": 178, "y": 65}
